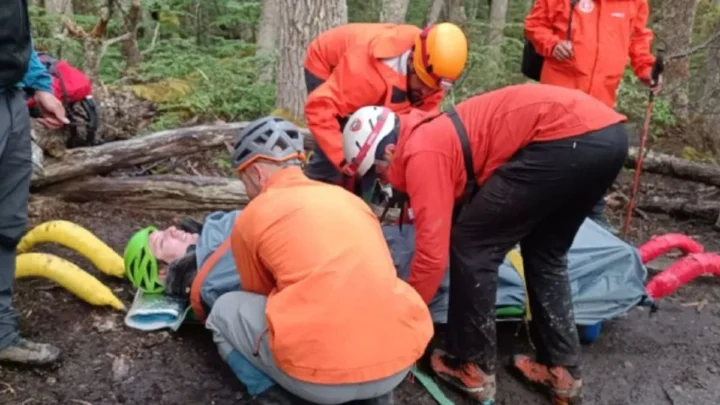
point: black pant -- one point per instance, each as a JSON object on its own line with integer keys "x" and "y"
{"x": 539, "y": 199}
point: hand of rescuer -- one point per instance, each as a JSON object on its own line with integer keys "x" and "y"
{"x": 654, "y": 87}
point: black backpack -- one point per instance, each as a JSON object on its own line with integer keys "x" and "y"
{"x": 532, "y": 62}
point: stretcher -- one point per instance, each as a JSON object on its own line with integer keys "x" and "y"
{"x": 607, "y": 275}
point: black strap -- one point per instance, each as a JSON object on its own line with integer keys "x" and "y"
{"x": 471, "y": 181}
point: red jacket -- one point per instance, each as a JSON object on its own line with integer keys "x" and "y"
{"x": 428, "y": 161}
{"x": 605, "y": 33}
{"x": 374, "y": 73}
{"x": 326, "y": 50}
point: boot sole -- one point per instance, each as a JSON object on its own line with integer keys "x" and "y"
{"x": 539, "y": 387}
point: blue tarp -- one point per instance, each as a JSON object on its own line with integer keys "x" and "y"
{"x": 606, "y": 274}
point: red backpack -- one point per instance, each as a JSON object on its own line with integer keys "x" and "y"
{"x": 74, "y": 89}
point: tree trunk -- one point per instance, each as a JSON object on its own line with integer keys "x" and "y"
{"x": 668, "y": 165}
{"x": 495, "y": 37}
{"x": 434, "y": 10}
{"x": 267, "y": 39}
{"x": 60, "y": 8}
{"x": 454, "y": 12}
{"x": 160, "y": 192}
{"x": 92, "y": 43}
{"x": 675, "y": 28}
{"x": 300, "y": 22}
{"x": 709, "y": 101}
{"x": 129, "y": 48}
{"x": 140, "y": 150}
{"x": 394, "y": 11}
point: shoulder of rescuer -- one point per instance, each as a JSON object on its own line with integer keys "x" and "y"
{"x": 378, "y": 74}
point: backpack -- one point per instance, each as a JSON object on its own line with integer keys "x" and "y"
{"x": 532, "y": 62}
{"x": 73, "y": 88}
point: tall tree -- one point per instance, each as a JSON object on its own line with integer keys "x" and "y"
{"x": 394, "y": 11}
{"x": 675, "y": 29}
{"x": 300, "y": 22}
{"x": 496, "y": 36}
{"x": 267, "y": 38}
{"x": 434, "y": 10}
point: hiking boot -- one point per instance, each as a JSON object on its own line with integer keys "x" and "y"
{"x": 29, "y": 353}
{"x": 277, "y": 395}
{"x": 467, "y": 377}
{"x": 564, "y": 388}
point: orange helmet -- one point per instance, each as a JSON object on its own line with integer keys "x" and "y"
{"x": 440, "y": 53}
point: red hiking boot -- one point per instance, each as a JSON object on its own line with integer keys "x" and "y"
{"x": 467, "y": 378}
{"x": 564, "y": 388}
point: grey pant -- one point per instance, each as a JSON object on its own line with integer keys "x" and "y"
{"x": 15, "y": 174}
{"x": 238, "y": 319}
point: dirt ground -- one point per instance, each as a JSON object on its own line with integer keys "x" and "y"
{"x": 672, "y": 357}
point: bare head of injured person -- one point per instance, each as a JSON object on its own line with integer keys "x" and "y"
{"x": 162, "y": 260}
{"x": 262, "y": 148}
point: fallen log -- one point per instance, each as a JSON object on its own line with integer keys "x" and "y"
{"x": 160, "y": 192}
{"x": 680, "y": 207}
{"x": 140, "y": 150}
{"x": 668, "y": 165}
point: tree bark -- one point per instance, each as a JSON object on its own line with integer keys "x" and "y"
{"x": 160, "y": 192}
{"x": 675, "y": 28}
{"x": 496, "y": 37}
{"x": 92, "y": 43}
{"x": 60, "y": 8}
{"x": 300, "y": 22}
{"x": 140, "y": 150}
{"x": 267, "y": 39}
{"x": 668, "y": 165}
{"x": 434, "y": 10}
{"x": 680, "y": 207}
{"x": 130, "y": 48}
{"x": 394, "y": 11}
{"x": 454, "y": 12}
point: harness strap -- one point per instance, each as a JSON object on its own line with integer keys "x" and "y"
{"x": 470, "y": 183}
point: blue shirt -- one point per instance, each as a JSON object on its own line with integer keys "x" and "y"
{"x": 37, "y": 77}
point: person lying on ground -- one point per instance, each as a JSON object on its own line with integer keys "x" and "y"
{"x": 353, "y": 65}
{"x": 522, "y": 164}
{"x": 202, "y": 266}
{"x": 20, "y": 71}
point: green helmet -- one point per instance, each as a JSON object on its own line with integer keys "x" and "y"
{"x": 141, "y": 267}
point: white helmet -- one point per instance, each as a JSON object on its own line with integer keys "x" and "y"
{"x": 363, "y": 133}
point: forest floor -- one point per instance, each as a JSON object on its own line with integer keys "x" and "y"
{"x": 672, "y": 357}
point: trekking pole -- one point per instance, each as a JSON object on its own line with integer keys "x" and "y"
{"x": 657, "y": 70}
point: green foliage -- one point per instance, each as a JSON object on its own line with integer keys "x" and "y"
{"x": 633, "y": 97}
{"x": 210, "y": 46}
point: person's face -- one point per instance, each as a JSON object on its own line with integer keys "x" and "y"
{"x": 171, "y": 244}
{"x": 417, "y": 90}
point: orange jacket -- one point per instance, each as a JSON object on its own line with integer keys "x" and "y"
{"x": 367, "y": 74}
{"x": 605, "y": 33}
{"x": 428, "y": 161}
{"x": 326, "y": 50}
{"x": 336, "y": 312}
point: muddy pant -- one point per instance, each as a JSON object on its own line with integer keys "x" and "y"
{"x": 237, "y": 320}
{"x": 15, "y": 173}
{"x": 539, "y": 199}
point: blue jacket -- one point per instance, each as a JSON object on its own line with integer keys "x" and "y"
{"x": 37, "y": 77}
